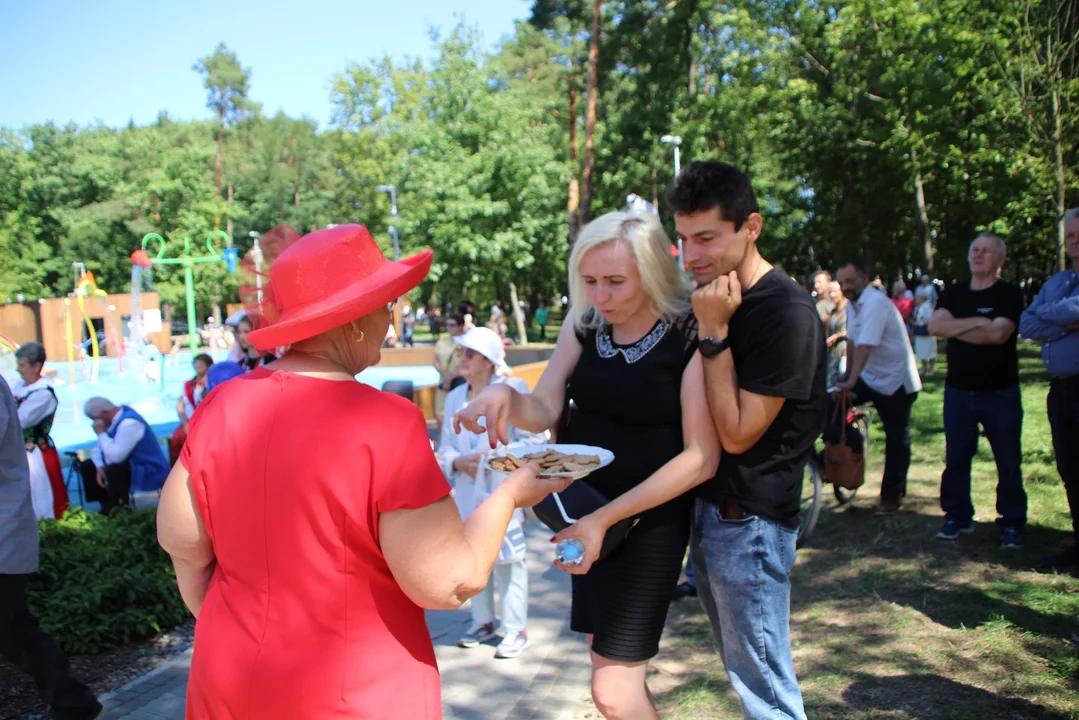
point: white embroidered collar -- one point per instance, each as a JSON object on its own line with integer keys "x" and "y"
{"x": 607, "y": 349}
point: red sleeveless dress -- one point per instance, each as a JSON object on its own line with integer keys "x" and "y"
{"x": 303, "y": 619}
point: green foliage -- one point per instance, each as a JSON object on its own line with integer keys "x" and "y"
{"x": 887, "y": 131}
{"x": 103, "y": 581}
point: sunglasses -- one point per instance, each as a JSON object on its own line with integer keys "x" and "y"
{"x": 391, "y": 305}
{"x": 451, "y": 324}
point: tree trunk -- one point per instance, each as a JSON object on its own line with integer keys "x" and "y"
{"x": 922, "y": 219}
{"x": 217, "y": 159}
{"x": 228, "y": 220}
{"x": 1058, "y": 158}
{"x": 574, "y": 201}
{"x": 590, "y": 115}
{"x": 519, "y": 316}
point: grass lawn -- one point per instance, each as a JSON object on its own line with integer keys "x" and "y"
{"x": 889, "y": 622}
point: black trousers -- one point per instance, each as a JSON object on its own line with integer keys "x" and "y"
{"x": 31, "y": 649}
{"x": 117, "y": 490}
{"x": 1063, "y": 407}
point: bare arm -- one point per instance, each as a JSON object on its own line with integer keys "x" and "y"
{"x": 502, "y": 406}
{"x": 739, "y": 417}
{"x": 182, "y": 534}
{"x": 943, "y": 324}
{"x": 856, "y": 364}
{"x": 438, "y": 562}
{"x": 996, "y": 332}
{"x": 696, "y": 463}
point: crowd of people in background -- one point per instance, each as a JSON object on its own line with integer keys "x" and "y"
{"x": 890, "y": 345}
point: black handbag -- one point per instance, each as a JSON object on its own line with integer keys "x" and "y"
{"x": 560, "y": 510}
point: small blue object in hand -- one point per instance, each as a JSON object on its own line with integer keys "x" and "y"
{"x": 569, "y": 552}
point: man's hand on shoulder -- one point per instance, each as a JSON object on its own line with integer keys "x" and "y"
{"x": 715, "y": 303}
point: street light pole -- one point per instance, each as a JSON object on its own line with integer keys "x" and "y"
{"x": 392, "y": 190}
{"x": 676, "y": 140}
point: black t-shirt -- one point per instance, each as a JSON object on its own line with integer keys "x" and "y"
{"x": 778, "y": 347}
{"x": 983, "y": 367}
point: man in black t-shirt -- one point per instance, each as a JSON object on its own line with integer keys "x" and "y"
{"x": 980, "y": 318}
{"x": 764, "y": 357}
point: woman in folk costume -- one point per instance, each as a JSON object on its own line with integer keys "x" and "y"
{"x": 37, "y": 405}
{"x": 194, "y": 390}
{"x": 482, "y": 362}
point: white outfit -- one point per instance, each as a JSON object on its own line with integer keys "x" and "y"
{"x": 31, "y": 412}
{"x": 510, "y": 574}
{"x": 925, "y": 346}
{"x": 118, "y": 447}
{"x": 874, "y": 321}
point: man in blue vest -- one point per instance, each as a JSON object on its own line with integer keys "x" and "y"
{"x": 128, "y": 455}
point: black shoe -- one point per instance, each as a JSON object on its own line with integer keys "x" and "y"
{"x": 1066, "y": 560}
{"x": 684, "y": 590}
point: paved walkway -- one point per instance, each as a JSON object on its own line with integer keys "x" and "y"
{"x": 546, "y": 683}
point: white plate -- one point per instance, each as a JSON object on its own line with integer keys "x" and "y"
{"x": 606, "y": 457}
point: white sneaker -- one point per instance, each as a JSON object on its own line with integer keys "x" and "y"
{"x": 512, "y": 645}
{"x": 477, "y": 634}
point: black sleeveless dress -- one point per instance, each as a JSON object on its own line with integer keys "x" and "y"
{"x": 628, "y": 399}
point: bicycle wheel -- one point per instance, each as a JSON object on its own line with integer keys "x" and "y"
{"x": 812, "y": 499}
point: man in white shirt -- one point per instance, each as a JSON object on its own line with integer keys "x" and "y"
{"x": 128, "y": 455}
{"x": 882, "y": 370}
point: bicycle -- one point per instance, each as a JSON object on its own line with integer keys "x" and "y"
{"x": 813, "y": 485}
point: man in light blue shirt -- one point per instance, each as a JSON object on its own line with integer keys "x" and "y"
{"x": 1053, "y": 320}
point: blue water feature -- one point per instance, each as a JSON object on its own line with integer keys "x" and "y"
{"x": 155, "y": 400}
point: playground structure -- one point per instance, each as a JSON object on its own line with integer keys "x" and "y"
{"x": 86, "y": 288}
{"x": 188, "y": 262}
{"x": 142, "y": 273}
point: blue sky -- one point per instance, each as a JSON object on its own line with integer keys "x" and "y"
{"x": 114, "y": 60}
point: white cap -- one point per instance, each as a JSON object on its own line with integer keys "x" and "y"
{"x": 486, "y": 342}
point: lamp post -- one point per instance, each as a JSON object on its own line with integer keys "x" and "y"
{"x": 392, "y": 190}
{"x": 675, "y": 140}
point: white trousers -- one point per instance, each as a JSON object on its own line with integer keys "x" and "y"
{"x": 511, "y": 581}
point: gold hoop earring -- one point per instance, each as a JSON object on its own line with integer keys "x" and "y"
{"x": 357, "y": 339}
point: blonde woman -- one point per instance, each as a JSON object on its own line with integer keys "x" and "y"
{"x": 626, "y": 374}
{"x": 483, "y": 362}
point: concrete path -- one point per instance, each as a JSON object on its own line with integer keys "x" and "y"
{"x": 546, "y": 683}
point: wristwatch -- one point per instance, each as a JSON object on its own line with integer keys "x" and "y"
{"x": 710, "y": 347}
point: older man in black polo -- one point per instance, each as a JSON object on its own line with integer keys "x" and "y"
{"x": 979, "y": 318}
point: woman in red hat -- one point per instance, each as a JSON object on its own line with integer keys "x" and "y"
{"x": 308, "y": 520}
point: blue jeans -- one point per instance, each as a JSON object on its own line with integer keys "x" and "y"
{"x": 1000, "y": 412}
{"x": 743, "y": 580}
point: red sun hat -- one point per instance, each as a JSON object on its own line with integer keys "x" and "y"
{"x": 326, "y": 279}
